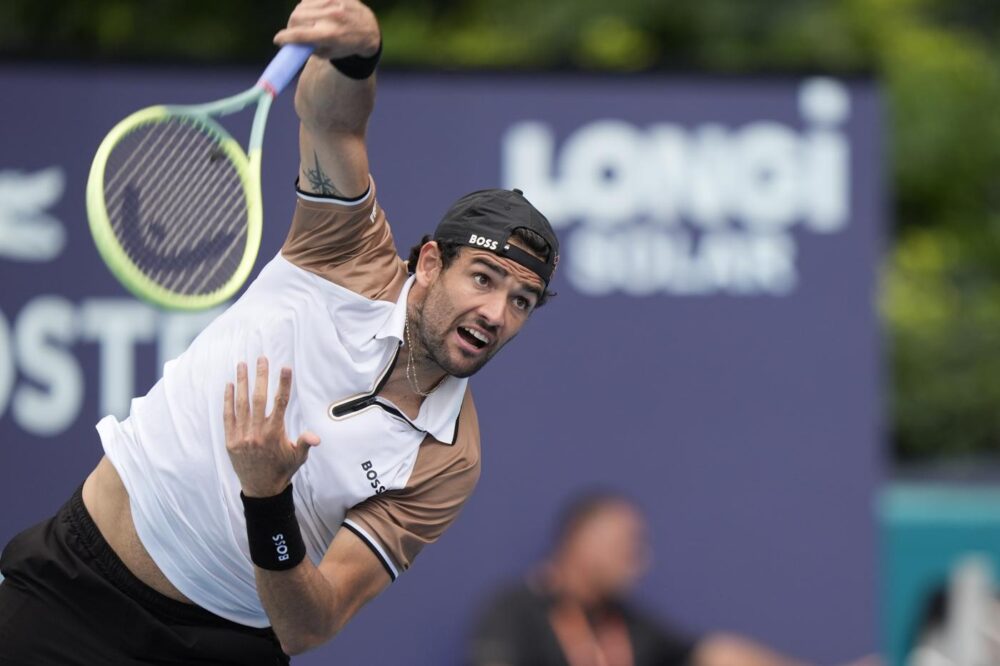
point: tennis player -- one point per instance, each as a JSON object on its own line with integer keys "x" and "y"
{"x": 296, "y": 458}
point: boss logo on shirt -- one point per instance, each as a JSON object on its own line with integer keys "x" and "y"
{"x": 485, "y": 243}
{"x": 372, "y": 477}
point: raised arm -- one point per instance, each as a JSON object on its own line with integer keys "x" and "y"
{"x": 333, "y": 107}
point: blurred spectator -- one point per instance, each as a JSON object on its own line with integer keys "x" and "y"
{"x": 573, "y": 612}
{"x": 961, "y": 624}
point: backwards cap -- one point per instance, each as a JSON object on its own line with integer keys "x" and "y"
{"x": 486, "y": 220}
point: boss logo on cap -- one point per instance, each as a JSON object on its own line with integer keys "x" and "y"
{"x": 483, "y": 242}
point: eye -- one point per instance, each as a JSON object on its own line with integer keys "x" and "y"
{"x": 480, "y": 279}
{"x": 522, "y": 303}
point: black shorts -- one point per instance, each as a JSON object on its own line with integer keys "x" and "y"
{"x": 67, "y": 599}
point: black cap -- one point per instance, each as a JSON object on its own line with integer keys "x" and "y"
{"x": 486, "y": 219}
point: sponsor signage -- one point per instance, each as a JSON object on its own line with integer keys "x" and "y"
{"x": 712, "y": 351}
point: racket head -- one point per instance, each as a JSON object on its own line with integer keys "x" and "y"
{"x": 174, "y": 208}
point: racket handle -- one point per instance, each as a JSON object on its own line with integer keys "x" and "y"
{"x": 283, "y": 67}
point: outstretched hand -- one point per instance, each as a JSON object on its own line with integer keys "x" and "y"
{"x": 335, "y": 28}
{"x": 261, "y": 453}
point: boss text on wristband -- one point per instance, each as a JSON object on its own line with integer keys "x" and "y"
{"x": 273, "y": 532}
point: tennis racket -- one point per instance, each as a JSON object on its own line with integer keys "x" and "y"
{"x": 174, "y": 203}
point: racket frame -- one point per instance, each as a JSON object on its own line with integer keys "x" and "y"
{"x": 279, "y": 72}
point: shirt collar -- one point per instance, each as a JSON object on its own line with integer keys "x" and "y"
{"x": 393, "y": 325}
{"x": 440, "y": 410}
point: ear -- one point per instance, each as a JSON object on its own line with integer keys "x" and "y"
{"x": 429, "y": 263}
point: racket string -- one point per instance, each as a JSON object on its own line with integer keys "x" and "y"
{"x": 197, "y": 280}
{"x": 126, "y": 173}
{"x": 204, "y": 197}
{"x": 177, "y": 205}
{"x": 179, "y": 231}
{"x": 154, "y": 199}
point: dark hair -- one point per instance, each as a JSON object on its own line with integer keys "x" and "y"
{"x": 449, "y": 250}
{"x": 578, "y": 510}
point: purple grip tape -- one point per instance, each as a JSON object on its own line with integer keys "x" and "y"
{"x": 284, "y": 66}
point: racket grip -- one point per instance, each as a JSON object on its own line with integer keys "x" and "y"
{"x": 283, "y": 67}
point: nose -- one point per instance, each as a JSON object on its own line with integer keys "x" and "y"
{"x": 493, "y": 308}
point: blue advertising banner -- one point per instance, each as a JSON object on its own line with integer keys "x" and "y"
{"x": 713, "y": 351}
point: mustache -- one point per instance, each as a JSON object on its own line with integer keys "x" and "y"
{"x": 479, "y": 322}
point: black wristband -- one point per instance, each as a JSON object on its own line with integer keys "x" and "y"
{"x": 273, "y": 532}
{"x": 358, "y": 67}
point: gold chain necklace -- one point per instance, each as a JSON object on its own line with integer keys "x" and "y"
{"x": 411, "y": 371}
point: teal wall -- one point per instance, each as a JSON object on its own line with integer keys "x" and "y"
{"x": 926, "y": 529}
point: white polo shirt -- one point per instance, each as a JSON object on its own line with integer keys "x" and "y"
{"x": 332, "y": 307}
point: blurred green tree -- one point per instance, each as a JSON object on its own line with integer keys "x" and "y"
{"x": 937, "y": 59}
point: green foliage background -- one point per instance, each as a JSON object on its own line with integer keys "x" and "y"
{"x": 938, "y": 60}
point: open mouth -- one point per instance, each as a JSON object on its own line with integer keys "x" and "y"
{"x": 473, "y": 337}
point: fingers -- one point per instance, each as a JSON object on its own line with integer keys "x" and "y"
{"x": 306, "y": 16}
{"x": 304, "y": 35}
{"x": 255, "y": 407}
{"x": 240, "y": 409}
{"x": 306, "y": 9}
{"x": 334, "y": 29}
{"x": 260, "y": 391}
{"x": 242, "y": 397}
{"x": 306, "y": 441}
{"x": 281, "y": 397}
{"x": 228, "y": 414}
{"x": 311, "y": 21}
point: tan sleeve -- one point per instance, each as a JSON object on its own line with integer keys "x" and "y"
{"x": 348, "y": 243}
{"x": 403, "y": 522}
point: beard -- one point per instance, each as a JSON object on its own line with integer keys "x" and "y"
{"x": 434, "y": 323}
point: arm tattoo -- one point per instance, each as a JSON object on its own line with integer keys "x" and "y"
{"x": 319, "y": 181}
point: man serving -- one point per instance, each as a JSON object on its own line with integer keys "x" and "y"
{"x": 296, "y": 458}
